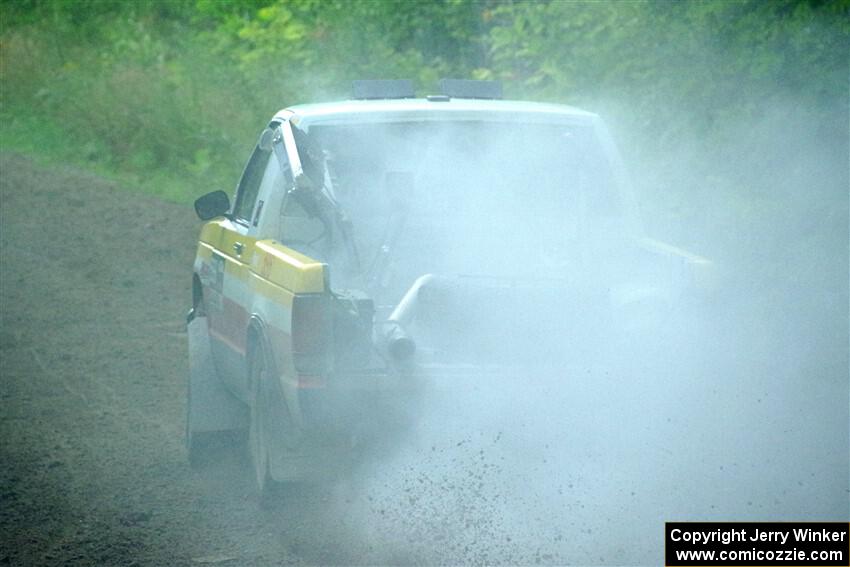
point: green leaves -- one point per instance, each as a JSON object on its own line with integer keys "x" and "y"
{"x": 155, "y": 83}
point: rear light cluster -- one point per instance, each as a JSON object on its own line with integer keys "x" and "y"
{"x": 312, "y": 335}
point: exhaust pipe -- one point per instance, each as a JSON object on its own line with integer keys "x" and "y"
{"x": 396, "y": 340}
{"x": 400, "y": 346}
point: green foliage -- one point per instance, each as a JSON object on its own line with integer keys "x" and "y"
{"x": 177, "y": 89}
{"x": 129, "y": 89}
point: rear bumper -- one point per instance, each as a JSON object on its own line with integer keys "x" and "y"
{"x": 368, "y": 404}
{"x": 353, "y": 403}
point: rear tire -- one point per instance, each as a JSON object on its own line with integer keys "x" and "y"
{"x": 267, "y": 428}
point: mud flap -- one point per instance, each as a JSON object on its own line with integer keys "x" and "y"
{"x": 209, "y": 406}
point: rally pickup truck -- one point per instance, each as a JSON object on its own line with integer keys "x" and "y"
{"x": 376, "y": 242}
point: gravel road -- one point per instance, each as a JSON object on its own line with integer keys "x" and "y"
{"x": 95, "y": 286}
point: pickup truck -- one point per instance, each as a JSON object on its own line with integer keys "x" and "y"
{"x": 377, "y": 242}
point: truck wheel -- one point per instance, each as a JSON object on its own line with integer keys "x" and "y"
{"x": 266, "y": 429}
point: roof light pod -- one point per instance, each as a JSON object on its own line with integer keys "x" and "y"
{"x": 466, "y": 88}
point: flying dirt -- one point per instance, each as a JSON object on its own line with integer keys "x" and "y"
{"x": 570, "y": 463}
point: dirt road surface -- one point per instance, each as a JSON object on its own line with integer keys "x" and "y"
{"x": 94, "y": 294}
{"x": 95, "y": 287}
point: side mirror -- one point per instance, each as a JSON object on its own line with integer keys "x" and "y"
{"x": 211, "y": 205}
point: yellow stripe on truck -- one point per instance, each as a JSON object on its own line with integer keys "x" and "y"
{"x": 273, "y": 293}
{"x": 287, "y": 268}
{"x": 211, "y": 232}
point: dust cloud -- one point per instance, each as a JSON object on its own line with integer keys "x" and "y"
{"x": 576, "y": 390}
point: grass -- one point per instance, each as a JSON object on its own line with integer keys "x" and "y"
{"x": 26, "y": 131}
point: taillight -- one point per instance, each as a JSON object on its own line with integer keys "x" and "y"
{"x": 311, "y": 332}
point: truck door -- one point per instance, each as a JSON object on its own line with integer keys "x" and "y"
{"x": 233, "y": 258}
{"x": 255, "y": 217}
